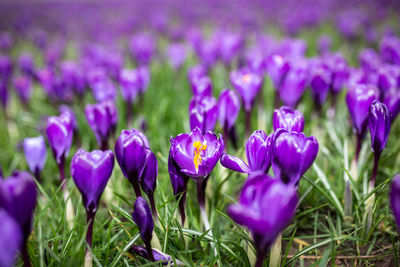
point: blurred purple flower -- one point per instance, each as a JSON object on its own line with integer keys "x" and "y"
{"x": 288, "y": 119}
{"x": 203, "y": 113}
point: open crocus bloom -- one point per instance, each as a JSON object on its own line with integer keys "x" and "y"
{"x": 197, "y": 154}
{"x": 248, "y": 84}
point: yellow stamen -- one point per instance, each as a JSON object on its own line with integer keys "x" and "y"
{"x": 246, "y": 78}
{"x": 197, "y": 157}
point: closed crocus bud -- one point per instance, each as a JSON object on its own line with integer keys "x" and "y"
{"x": 324, "y": 44}
{"x": 179, "y": 182}
{"x": 130, "y": 151}
{"x": 358, "y": 100}
{"x": 392, "y": 101}
{"x": 289, "y": 119}
{"x": 10, "y": 239}
{"x": 266, "y": 206}
{"x": 277, "y": 68}
{"x": 91, "y": 172}
{"x": 130, "y": 84}
{"x": 203, "y": 113}
{"x": 69, "y": 112}
{"x": 248, "y": 84}
{"x": 395, "y": 199}
{"x": 142, "y": 48}
{"x": 59, "y": 132}
{"x": 369, "y": 60}
{"x": 197, "y": 154}
{"x": 258, "y": 153}
{"x": 201, "y": 86}
{"x": 176, "y": 54}
{"x": 23, "y": 87}
{"x": 71, "y": 74}
{"x": 35, "y": 154}
{"x": 292, "y": 154}
{"x": 320, "y": 83}
{"x": 294, "y": 84}
{"x": 228, "y": 108}
{"x": 148, "y": 178}
{"x": 102, "y": 119}
{"x": 379, "y": 125}
{"x": 18, "y": 197}
{"x": 142, "y": 217}
{"x": 149, "y": 174}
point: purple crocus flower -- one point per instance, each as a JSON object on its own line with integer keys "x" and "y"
{"x": 197, "y": 154}
{"x": 358, "y": 100}
{"x": 201, "y": 86}
{"x": 148, "y": 178}
{"x": 4, "y": 97}
{"x": 385, "y": 80}
{"x": 102, "y": 87}
{"x": 23, "y": 87}
{"x": 11, "y": 239}
{"x": 102, "y": 118}
{"x": 258, "y": 153}
{"x": 131, "y": 153}
{"x": 203, "y": 113}
{"x": 277, "y": 68}
{"x": 266, "y": 206}
{"x": 71, "y": 74}
{"x": 179, "y": 183}
{"x": 294, "y": 83}
{"x": 228, "y": 110}
{"x": 142, "y": 217}
{"x": 142, "y": 48}
{"x": 18, "y": 197}
{"x": 379, "y": 128}
{"x": 144, "y": 75}
{"x": 248, "y": 84}
{"x": 230, "y": 46}
{"x": 130, "y": 84}
{"x": 395, "y": 199}
{"x": 91, "y": 172}
{"x": 340, "y": 72}
{"x": 379, "y": 125}
{"x": 289, "y": 119}
{"x": 390, "y": 49}
{"x": 369, "y": 60}
{"x": 292, "y": 154}
{"x": 35, "y": 154}
{"x": 176, "y": 54}
{"x": 320, "y": 83}
{"x": 392, "y": 101}
{"x": 59, "y": 132}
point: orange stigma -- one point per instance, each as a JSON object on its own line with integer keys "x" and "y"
{"x": 246, "y": 78}
{"x": 197, "y": 157}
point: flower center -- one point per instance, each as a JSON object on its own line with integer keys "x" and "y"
{"x": 198, "y": 148}
{"x": 246, "y": 78}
